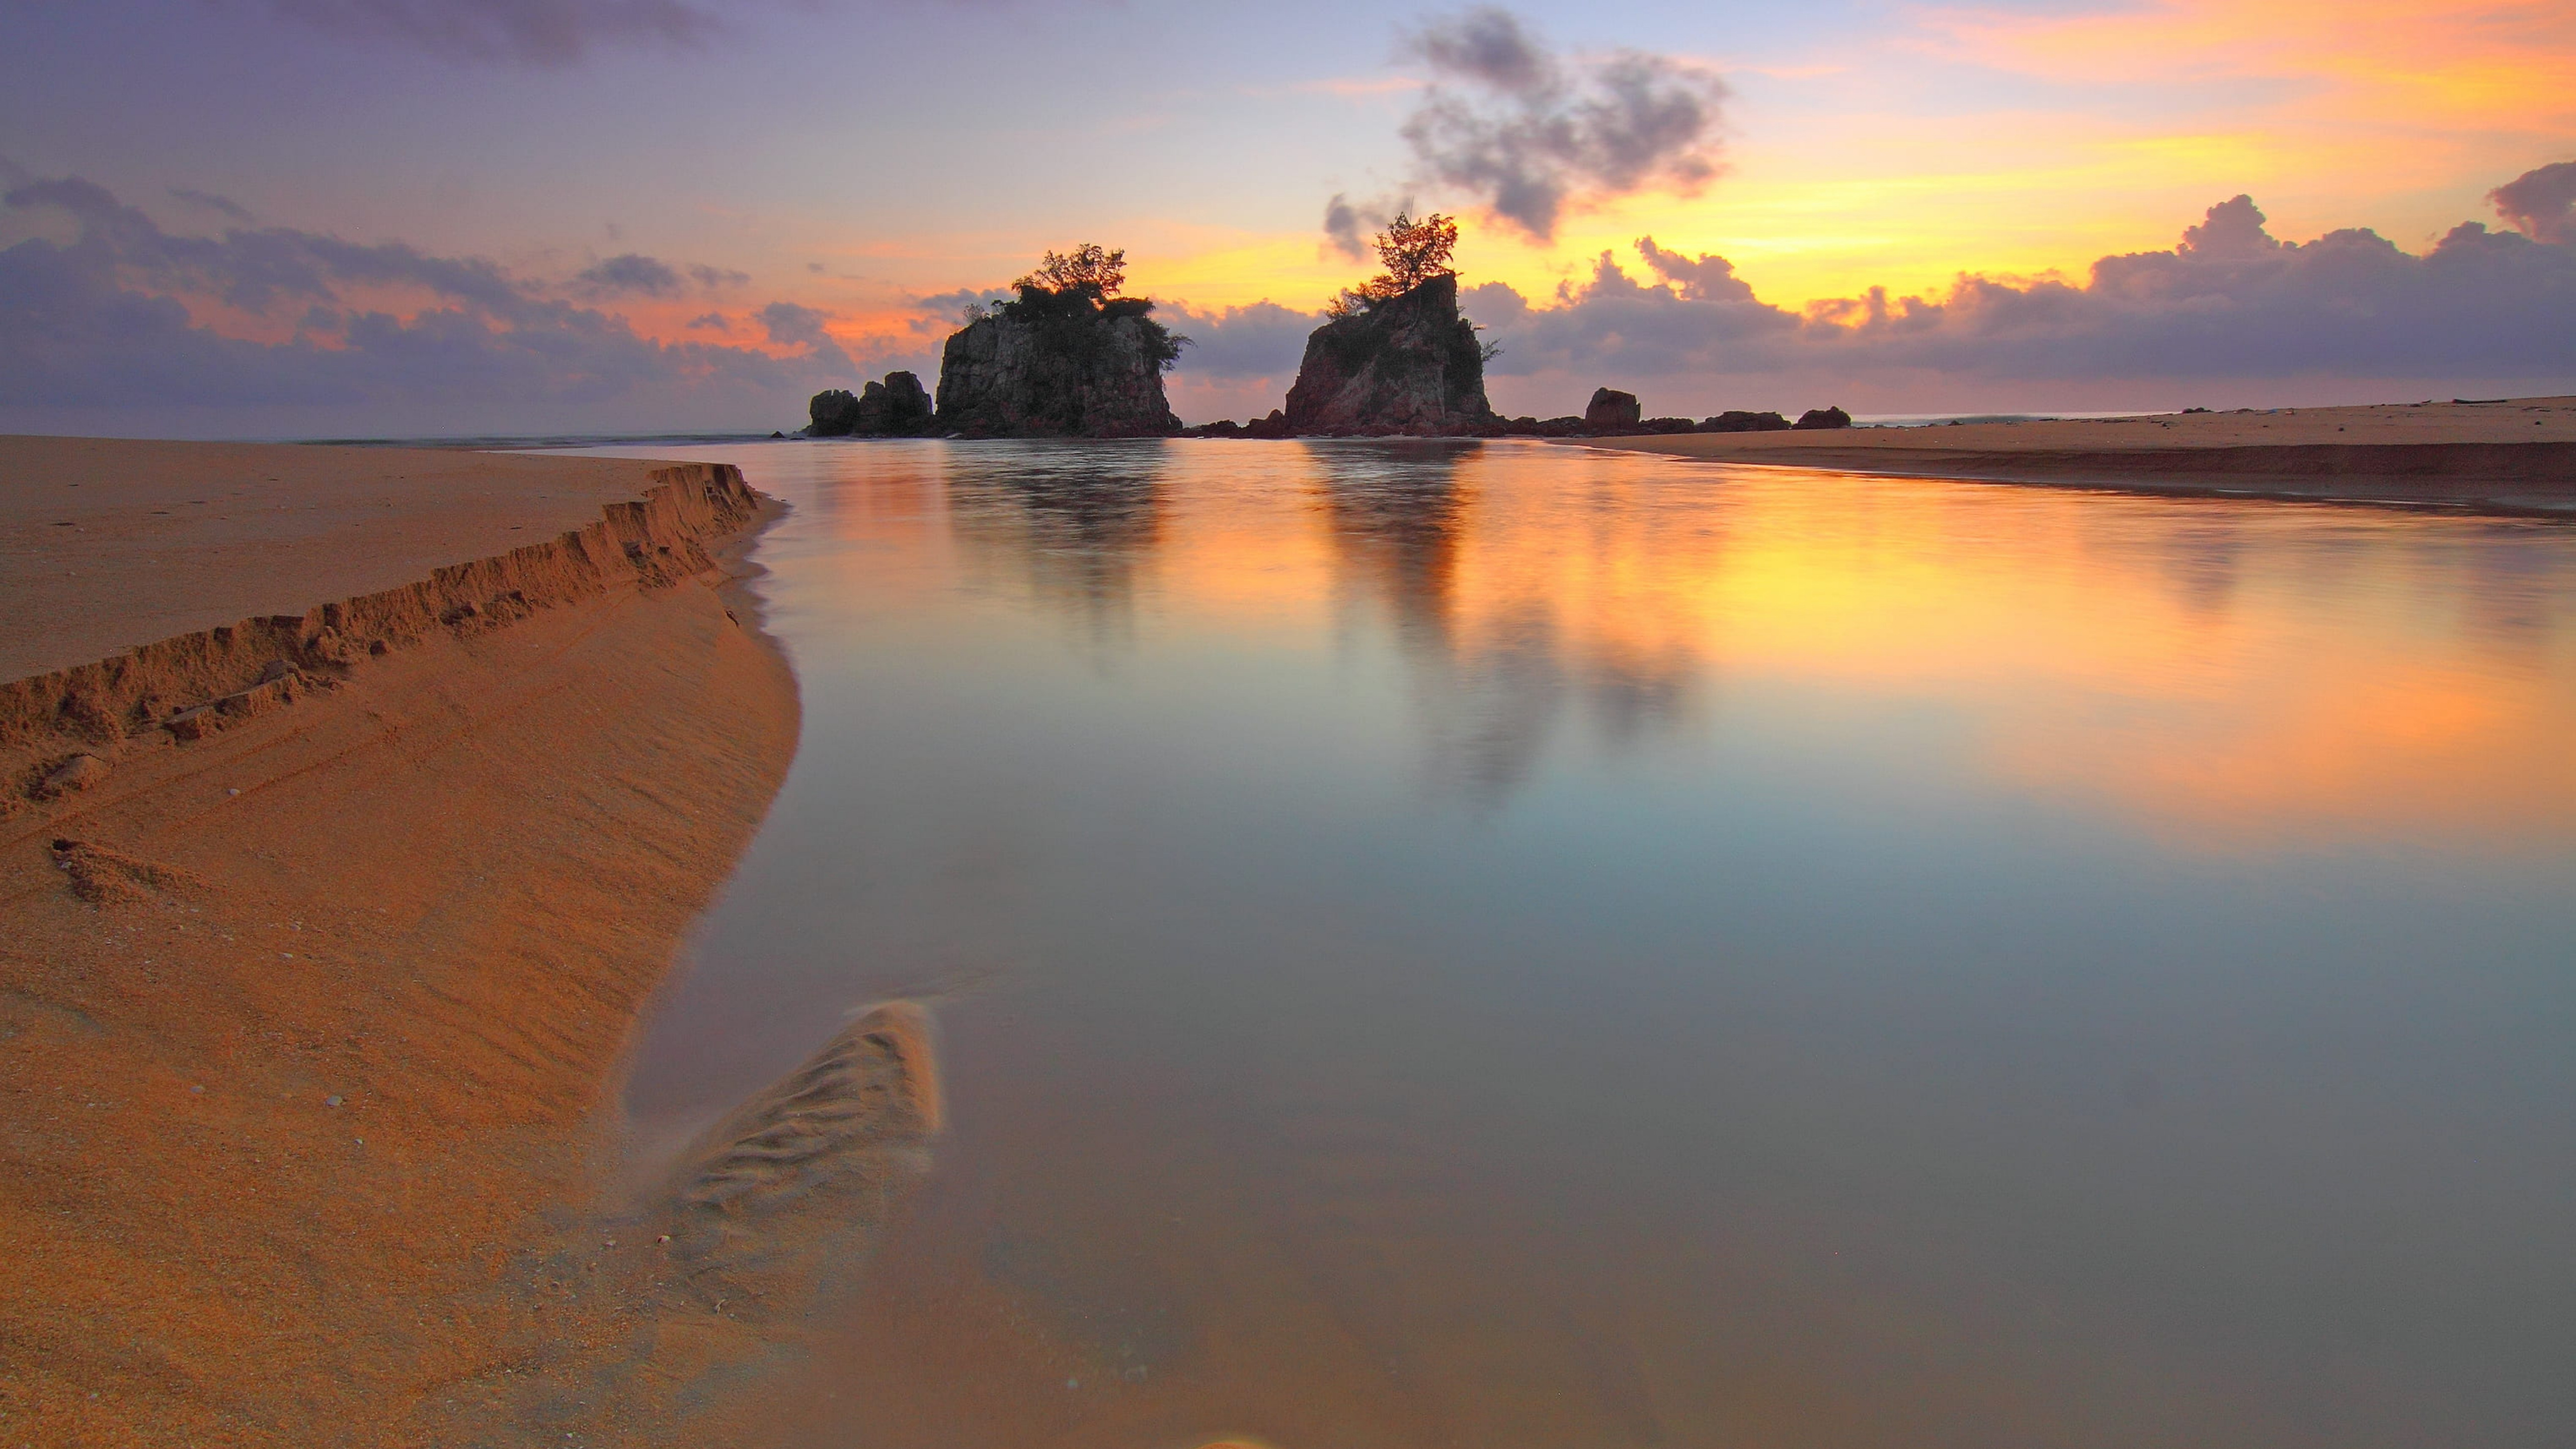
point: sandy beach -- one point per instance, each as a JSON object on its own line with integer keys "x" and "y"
{"x": 2513, "y": 455}
{"x": 312, "y": 994}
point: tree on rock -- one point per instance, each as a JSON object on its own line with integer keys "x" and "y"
{"x": 1395, "y": 356}
{"x": 1413, "y": 253}
{"x": 1089, "y": 269}
{"x": 1068, "y": 357}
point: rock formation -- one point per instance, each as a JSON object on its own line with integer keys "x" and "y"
{"x": 1822, "y": 418}
{"x": 1743, "y": 422}
{"x": 1611, "y": 409}
{"x": 1062, "y": 365}
{"x": 1407, "y": 364}
{"x": 898, "y": 407}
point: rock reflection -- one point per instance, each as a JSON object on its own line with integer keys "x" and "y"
{"x": 1494, "y": 660}
{"x": 1079, "y": 521}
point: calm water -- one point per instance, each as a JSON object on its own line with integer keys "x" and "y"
{"x": 1504, "y": 945}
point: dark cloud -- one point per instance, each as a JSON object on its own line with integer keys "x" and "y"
{"x": 527, "y": 32}
{"x": 2541, "y": 203}
{"x": 1529, "y": 134}
{"x": 630, "y": 275}
{"x": 1349, "y": 224}
{"x": 253, "y": 270}
{"x": 96, "y": 335}
{"x": 710, "y": 322}
{"x": 223, "y": 206}
{"x": 636, "y": 275}
{"x": 2228, "y": 301}
{"x": 791, "y": 325}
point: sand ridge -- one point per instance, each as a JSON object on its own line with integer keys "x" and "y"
{"x": 309, "y": 1021}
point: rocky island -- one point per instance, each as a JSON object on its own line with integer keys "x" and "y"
{"x": 1067, "y": 358}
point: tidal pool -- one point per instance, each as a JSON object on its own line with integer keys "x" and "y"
{"x": 1501, "y": 945}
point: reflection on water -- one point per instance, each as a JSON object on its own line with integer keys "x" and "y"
{"x": 1503, "y": 945}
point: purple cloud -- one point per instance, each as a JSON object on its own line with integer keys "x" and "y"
{"x": 528, "y": 32}
{"x": 636, "y": 275}
{"x": 2228, "y": 301}
{"x": 95, "y": 336}
{"x": 2540, "y": 203}
{"x": 1528, "y": 134}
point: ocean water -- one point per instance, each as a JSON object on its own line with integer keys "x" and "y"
{"x": 1501, "y": 945}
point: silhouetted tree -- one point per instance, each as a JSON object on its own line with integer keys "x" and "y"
{"x": 1413, "y": 252}
{"x": 1089, "y": 269}
{"x": 1072, "y": 293}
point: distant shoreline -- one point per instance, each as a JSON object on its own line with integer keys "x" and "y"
{"x": 2514, "y": 457}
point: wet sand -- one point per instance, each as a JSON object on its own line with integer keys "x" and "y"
{"x": 308, "y": 1019}
{"x": 2514, "y": 456}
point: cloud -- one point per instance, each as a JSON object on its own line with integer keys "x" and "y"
{"x": 636, "y": 275}
{"x": 223, "y": 206}
{"x": 1704, "y": 278}
{"x": 1529, "y": 134}
{"x": 2228, "y": 301}
{"x": 710, "y": 322}
{"x": 252, "y": 270}
{"x": 2541, "y": 203}
{"x": 526, "y": 32}
{"x": 97, "y": 333}
{"x": 1261, "y": 340}
{"x": 1348, "y": 224}
{"x": 792, "y": 325}
{"x": 630, "y": 275}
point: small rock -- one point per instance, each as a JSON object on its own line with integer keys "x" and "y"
{"x": 1611, "y": 408}
{"x": 77, "y": 773}
{"x": 331, "y": 1101}
{"x": 277, "y": 669}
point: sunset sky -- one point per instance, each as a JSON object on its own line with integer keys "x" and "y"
{"x": 459, "y": 216}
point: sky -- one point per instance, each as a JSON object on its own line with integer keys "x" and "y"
{"x": 342, "y": 218}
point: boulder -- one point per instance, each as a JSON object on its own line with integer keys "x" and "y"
{"x": 1822, "y": 418}
{"x": 1667, "y": 425}
{"x": 1612, "y": 409}
{"x": 898, "y": 407}
{"x": 831, "y": 412}
{"x": 1741, "y": 422}
{"x": 1407, "y": 364}
{"x": 1059, "y": 365}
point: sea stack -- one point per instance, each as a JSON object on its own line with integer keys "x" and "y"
{"x": 1407, "y": 364}
{"x": 1069, "y": 358}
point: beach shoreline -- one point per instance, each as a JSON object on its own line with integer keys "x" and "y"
{"x": 2513, "y": 456}
{"x": 315, "y": 998}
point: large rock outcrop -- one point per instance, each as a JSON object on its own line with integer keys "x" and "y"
{"x": 1058, "y": 365}
{"x": 898, "y": 407}
{"x": 1409, "y": 364}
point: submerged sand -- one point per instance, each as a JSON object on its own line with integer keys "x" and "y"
{"x": 309, "y": 1020}
{"x": 2513, "y": 455}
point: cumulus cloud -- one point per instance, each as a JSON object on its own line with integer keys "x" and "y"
{"x": 1529, "y": 133}
{"x": 96, "y": 332}
{"x": 528, "y": 32}
{"x": 1262, "y": 340}
{"x": 2540, "y": 203}
{"x": 2228, "y": 301}
{"x": 1707, "y": 277}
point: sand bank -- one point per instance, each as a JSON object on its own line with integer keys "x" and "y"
{"x": 2517, "y": 455}
{"x": 308, "y": 1011}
